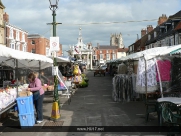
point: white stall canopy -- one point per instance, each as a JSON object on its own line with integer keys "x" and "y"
{"x": 9, "y": 56}
{"x": 152, "y": 53}
{"x": 63, "y": 59}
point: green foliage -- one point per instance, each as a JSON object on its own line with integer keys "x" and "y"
{"x": 83, "y": 84}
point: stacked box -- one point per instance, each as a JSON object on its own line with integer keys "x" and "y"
{"x": 26, "y": 111}
{"x": 27, "y": 120}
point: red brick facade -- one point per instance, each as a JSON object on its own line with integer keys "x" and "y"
{"x": 105, "y": 52}
{"x": 39, "y": 45}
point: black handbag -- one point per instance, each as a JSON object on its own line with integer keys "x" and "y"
{"x": 36, "y": 95}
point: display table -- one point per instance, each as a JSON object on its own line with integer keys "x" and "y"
{"x": 175, "y": 100}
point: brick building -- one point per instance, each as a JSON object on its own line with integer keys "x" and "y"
{"x": 105, "y": 53}
{"x": 140, "y": 44}
{"x": 40, "y": 45}
{"x": 15, "y": 37}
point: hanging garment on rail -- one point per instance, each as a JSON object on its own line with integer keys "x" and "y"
{"x": 122, "y": 68}
{"x": 164, "y": 68}
{"x": 123, "y": 88}
{"x": 149, "y": 77}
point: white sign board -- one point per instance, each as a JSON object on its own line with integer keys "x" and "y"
{"x": 54, "y": 44}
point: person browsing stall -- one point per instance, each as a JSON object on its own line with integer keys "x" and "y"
{"x": 35, "y": 86}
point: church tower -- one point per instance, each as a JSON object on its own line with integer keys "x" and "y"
{"x": 116, "y": 40}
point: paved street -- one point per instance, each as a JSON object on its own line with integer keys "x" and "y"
{"x": 94, "y": 106}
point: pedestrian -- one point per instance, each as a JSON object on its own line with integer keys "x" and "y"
{"x": 35, "y": 86}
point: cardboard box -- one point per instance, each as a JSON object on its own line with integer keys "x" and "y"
{"x": 50, "y": 88}
{"x": 24, "y": 93}
{"x": 45, "y": 88}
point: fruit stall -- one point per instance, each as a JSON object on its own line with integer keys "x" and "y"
{"x": 16, "y": 62}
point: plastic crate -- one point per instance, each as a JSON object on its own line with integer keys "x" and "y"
{"x": 27, "y": 120}
{"x": 25, "y": 104}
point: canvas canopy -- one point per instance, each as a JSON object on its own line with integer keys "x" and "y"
{"x": 63, "y": 59}
{"x": 20, "y": 59}
{"x": 151, "y": 53}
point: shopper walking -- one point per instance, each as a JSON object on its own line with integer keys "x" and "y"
{"x": 35, "y": 86}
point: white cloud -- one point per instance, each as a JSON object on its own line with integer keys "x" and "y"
{"x": 32, "y": 16}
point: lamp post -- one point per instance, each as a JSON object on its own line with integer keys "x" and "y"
{"x": 56, "y": 102}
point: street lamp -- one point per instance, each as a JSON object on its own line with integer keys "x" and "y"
{"x": 56, "y": 102}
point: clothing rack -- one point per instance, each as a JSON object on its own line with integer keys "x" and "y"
{"x": 124, "y": 88}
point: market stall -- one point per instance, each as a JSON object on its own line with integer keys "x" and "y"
{"x": 146, "y": 62}
{"x": 18, "y": 60}
{"x": 158, "y": 73}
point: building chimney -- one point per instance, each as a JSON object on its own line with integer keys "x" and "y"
{"x": 149, "y": 28}
{"x": 143, "y": 32}
{"x": 162, "y": 19}
{"x": 6, "y": 17}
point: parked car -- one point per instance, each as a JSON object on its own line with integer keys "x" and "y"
{"x": 103, "y": 67}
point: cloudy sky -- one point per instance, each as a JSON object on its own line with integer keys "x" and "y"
{"x": 130, "y": 15}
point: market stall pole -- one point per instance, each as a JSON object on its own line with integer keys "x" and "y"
{"x": 55, "y": 44}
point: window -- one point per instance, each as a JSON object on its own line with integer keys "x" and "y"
{"x": 101, "y": 56}
{"x": 172, "y": 25}
{"x": 172, "y": 41}
{"x": 95, "y": 57}
{"x": 179, "y": 39}
{"x": 12, "y": 45}
{"x": 11, "y": 33}
{"x": 113, "y": 56}
{"x": 107, "y": 51}
{"x": 47, "y": 51}
{"x": 166, "y": 28}
{"x": 149, "y": 37}
{"x": 176, "y": 39}
{"x": 17, "y": 35}
{"x": 33, "y": 42}
{"x": 154, "y": 34}
{"x": 130, "y": 48}
{"x": 169, "y": 44}
{"x": 113, "y": 51}
{"x": 107, "y": 56}
{"x": 100, "y": 51}
{"x": 18, "y": 46}
{"x": 23, "y": 37}
{"x": 24, "y": 48}
{"x": 33, "y": 51}
{"x": 167, "y": 41}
